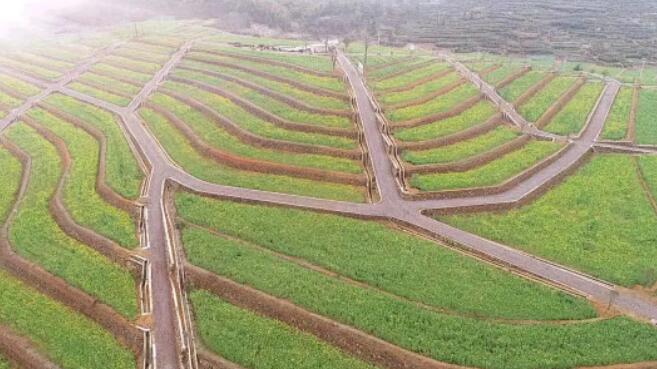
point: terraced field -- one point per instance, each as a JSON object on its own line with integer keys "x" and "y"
{"x": 170, "y": 202}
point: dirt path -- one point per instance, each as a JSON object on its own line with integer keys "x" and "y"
{"x": 170, "y": 340}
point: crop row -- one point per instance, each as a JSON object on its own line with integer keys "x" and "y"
{"x": 418, "y": 92}
{"x": 572, "y": 117}
{"x": 493, "y": 173}
{"x": 18, "y": 86}
{"x": 646, "y": 123}
{"x": 597, "y": 221}
{"x": 313, "y": 99}
{"x": 183, "y": 153}
{"x": 516, "y": 88}
{"x": 35, "y": 236}
{"x": 395, "y": 68}
{"x": 437, "y": 105}
{"x": 409, "y": 77}
{"x": 32, "y": 70}
{"x": 617, "y": 123}
{"x": 251, "y": 255}
{"x": 535, "y": 107}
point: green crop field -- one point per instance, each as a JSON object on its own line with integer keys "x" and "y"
{"x": 462, "y": 150}
{"x": 646, "y": 124}
{"x": 249, "y": 254}
{"x": 101, "y": 94}
{"x": 499, "y": 74}
{"x": 67, "y": 338}
{"x": 34, "y": 70}
{"x": 111, "y": 83}
{"x": 120, "y": 72}
{"x": 389, "y": 70}
{"x": 312, "y": 99}
{"x": 598, "y": 221}
{"x": 269, "y": 104}
{"x": 572, "y": 118}
{"x": 257, "y": 126}
{"x": 80, "y": 197}
{"x": 437, "y": 105}
{"x": 616, "y": 125}
{"x": 221, "y": 139}
{"x": 491, "y": 174}
{"x": 35, "y": 235}
{"x": 539, "y": 103}
{"x": 9, "y": 182}
{"x": 516, "y": 88}
{"x": 193, "y": 162}
{"x": 18, "y": 85}
{"x": 476, "y": 115}
{"x": 123, "y": 173}
{"x": 409, "y": 77}
{"x": 419, "y": 91}
{"x": 328, "y": 83}
{"x": 256, "y": 342}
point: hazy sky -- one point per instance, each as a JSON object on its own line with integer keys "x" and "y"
{"x": 21, "y": 13}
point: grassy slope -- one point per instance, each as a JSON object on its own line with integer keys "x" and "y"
{"x": 437, "y": 105}
{"x": 80, "y": 197}
{"x": 187, "y": 157}
{"x": 572, "y": 118}
{"x": 516, "y": 88}
{"x": 539, "y": 103}
{"x": 477, "y": 114}
{"x": 256, "y": 342}
{"x": 597, "y": 221}
{"x": 646, "y": 121}
{"x": 419, "y": 91}
{"x": 462, "y": 150}
{"x": 616, "y": 125}
{"x": 216, "y": 137}
{"x": 374, "y": 253}
{"x": 123, "y": 174}
{"x": 490, "y": 174}
{"x": 35, "y": 236}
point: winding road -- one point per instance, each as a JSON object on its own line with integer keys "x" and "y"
{"x": 171, "y": 341}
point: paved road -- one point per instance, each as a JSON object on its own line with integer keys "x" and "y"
{"x": 392, "y": 206}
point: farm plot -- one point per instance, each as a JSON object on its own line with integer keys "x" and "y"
{"x": 503, "y": 72}
{"x": 617, "y": 122}
{"x": 476, "y": 115}
{"x": 409, "y": 77}
{"x": 253, "y": 341}
{"x": 437, "y": 105}
{"x": 461, "y": 150}
{"x": 99, "y": 93}
{"x": 491, "y": 174}
{"x": 188, "y": 157}
{"x": 119, "y": 72}
{"x": 598, "y": 221}
{"x": 572, "y": 117}
{"x": 291, "y": 89}
{"x": 328, "y": 83}
{"x": 535, "y": 107}
{"x": 418, "y": 92}
{"x": 279, "y": 108}
{"x": 646, "y": 121}
{"x": 363, "y": 288}
{"x": 80, "y": 197}
{"x": 68, "y": 339}
{"x": 515, "y": 89}
{"x": 34, "y": 234}
{"x": 41, "y": 61}
{"x": 17, "y": 86}
{"x": 393, "y": 69}
{"x": 36, "y": 71}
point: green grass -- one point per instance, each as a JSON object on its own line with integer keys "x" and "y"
{"x": 36, "y": 237}
{"x": 23, "y": 88}
{"x": 4, "y": 364}
{"x": 313, "y": 62}
{"x": 499, "y": 74}
{"x": 462, "y": 150}
{"x": 29, "y": 58}
{"x": 616, "y": 125}
{"x": 154, "y": 58}
{"x": 187, "y": 157}
{"x": 100, "y": 94}
{"x": 477, "y": 114}
{"x": 269, "y": 104}
{"x": 419, "y": 91}
{"x": 328, "y": 83}
{"x": 9, "y": 182}
{"x": 68, "y": 339}
{"x": 370, "y": 252}
{"x": 572, "y": 118}
{"x": 8, "y": 101}
{"x": 385, "y": 72}
{"x": 646, "y": 121}
{"x": 491, "y": 174}
{"x": 515, "y": 89}
{"x": 136, "y": 65}
{"x": 111, "y": 83}
{"x": 598, "y": 221}
{"x": 534, "y": 108}
{"x": 256, "y": 342}
{"x": 257, "y": 126}
{"x": 80, "y": 197}
{"x": 410, "y": 76}
{"x": 648, "y": 166}
{"x": 451, "y": 338}
{"x": 437, "y": 105}
{"x": 37, "y": 71}
{"x": 123, "y": 173}
{"x": 282, "y": 88}
{"x": 121, "y": 72}
{"x": 216, "y": 137}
